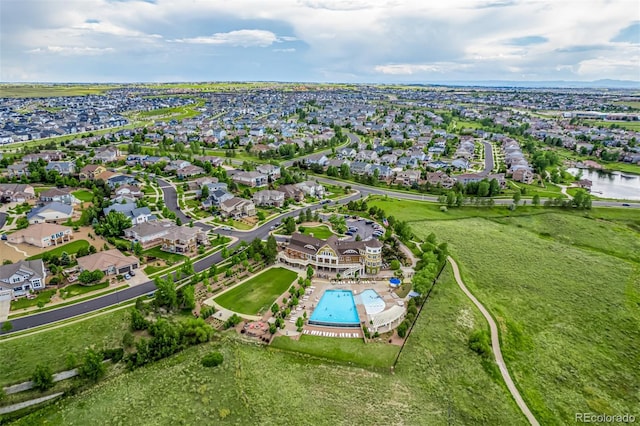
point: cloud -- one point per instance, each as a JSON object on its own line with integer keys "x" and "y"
{"x": 240, "y": 38}
{"x": 73, "y": 50}
{"x": 410, "y": 69}
{"x": 287, "y": 50}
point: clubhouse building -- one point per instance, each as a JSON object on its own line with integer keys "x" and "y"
{"x": 347, "y": 258}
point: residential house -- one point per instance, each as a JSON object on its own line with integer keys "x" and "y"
{"x": 367, "y": 155}
{"x": 91, "y": 171}
{"x": 460, "y": 163}
{"x": 268, "y": 197}
{"x": 169, "y": 236}
{"x": 349, "y": 153}
{"x": 214, "y": 161}
{"x": 407, "y": 177}
{"x": 42, "y": 235}
{"x": 189, "y": 171}
{"x": 270, "y": 170}
{"x": 131, "y": 191}
{"x": 22, "y": 277}
{"x": 18, "y": 170}
{"x": 523, "y": 175}
{"x": 216, "y": 197}
{"x": 61, "y": 195}
{"x": 111, "y": 262}
{"x": 237, "y": 208}
{"x": 291, "y": 192}
{"x": 176, "y": 165}
{"x": 440, "y": 178}
{"x": 119, "y": 180}
{"x": 106, "y": 154}
{"x": 319, "y": 159}
{"x": 252, "y": 179}
{"x": 65, "y": 168}
{"x": 311, "y": 188}
{"x": 360, "y": 168}
{"x": 130, "y": 210}
{"x": 54, "y": 212}
{"x": 16, "y": 192}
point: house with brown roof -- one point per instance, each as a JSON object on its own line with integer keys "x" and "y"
{"x": 42, "y": 235}
{"x": 169, "y": 236}
{"x": 237, "y": 207}
{"x": 91, "y": 171}
{"x": 16, "y": 192}
{"x": 60, "y": 195}
{"x": 333, "y": 255}
{"x": 111, "y": 262}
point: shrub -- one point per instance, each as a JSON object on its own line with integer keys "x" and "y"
{"x": 128, "y": 340}
{"x": 115, "y": 355}
{"x": 394, "y": 265}
{"x": 213, "y": 359}
{"x": 479, "y": 343}
{"x": 42, "y": 378}
{"x": 92, "y": 367}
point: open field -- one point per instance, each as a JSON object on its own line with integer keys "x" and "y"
{"x": 349, "y": 351}
{"x": 258, "y": 293}
{"x": 437, "y": 380}
{"x": 568, "y": 312}
{"x": 323, "y": 232}
{"x": 51, "y": 90}
{"x": 83, "y": 195}
{"x": 629, "y": 125}
{"x": 20, "y": 356}
{"x": 70, "y": 248}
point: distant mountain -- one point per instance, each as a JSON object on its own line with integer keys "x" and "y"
{"x": 597, "y": 84}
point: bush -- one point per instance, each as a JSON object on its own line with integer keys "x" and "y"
{"x": 42, "y": 378}
{"x": 394, "y": 265}
{"x": 479, "y": 343}
{"x": 232, "y": 321}
{"x": 213, "y": 359}
{"x": 115, "y": 355}
{"x": 128, "y": 340}
{"x": 92, "y": 367}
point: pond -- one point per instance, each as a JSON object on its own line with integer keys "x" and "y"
{"x": 625, "y": 186}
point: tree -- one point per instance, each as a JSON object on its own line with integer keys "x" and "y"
{"x": 166, "y": 294}
{"x": 271, "y": 250}
{"x": 275, "y": 308}
{"x": 310, "y": 272}
{"x": 516, "y": 197}
{"x": 92, "y": 367}
{"x": 90, "y": 277}
{"x": 42, "y": 377}
{"x": 536, "y": 200}
{"x": 394, "y": 265}
{"x": 187, "y": 297}
{"x": 289, "y": 225}
{"x": 178, "y": 221}
{"x": 113, "y": 225}
{"x": 22, "y": 223}
{"x": 345, "y": 171}
{"x": 204, "y": 192}
{"x": 213, "y": 359}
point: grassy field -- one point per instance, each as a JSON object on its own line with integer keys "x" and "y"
{"x": 83, "y": 195}
{"x": 51, "y": 347}
{"x": 78, "y": 289}
{"x": 349, "y": 351}
{"x": 565, "y": 291}
{"x": 70, "y": 248}
{"x": 437, "y": 381}
{"x": 323, "y": 232}
{"x": 171, "y": 257}
{"x": 51, "y": 90}
{"x": 42, "y": 296}
{"x": 258, "y": 293}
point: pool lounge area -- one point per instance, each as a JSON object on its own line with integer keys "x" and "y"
{"x": 337, "y": 308}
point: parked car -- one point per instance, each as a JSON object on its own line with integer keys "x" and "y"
{"x": 127, "y": 277}
{"x": 132, "y": 273}
{"x": 624, "y": 204}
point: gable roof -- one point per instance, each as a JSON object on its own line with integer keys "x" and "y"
{"x": 105, "y": 259}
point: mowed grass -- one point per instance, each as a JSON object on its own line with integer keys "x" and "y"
{"x": 83, "y": 195}
{"x": 22, "y": 354}
{"x": 51, "y": 90}
{"x": 323, "y": 232}
{"x": 354, "y": 351}
{"x": 160, "y": 254}
{"x": 568, "y": 313}
{"x": 258, "y": 293}
{"x": 70, "y": 248}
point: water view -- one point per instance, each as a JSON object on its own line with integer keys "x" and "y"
{"x": 611, "y": 184}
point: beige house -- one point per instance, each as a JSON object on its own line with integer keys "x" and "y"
{"x": 168, "y": 235}
{"x": 111, "y": 262}
{"x": 42, "y": 235}
{"x": 237, "y": 207}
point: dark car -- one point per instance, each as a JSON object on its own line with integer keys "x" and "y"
{"x": 626, "y": 204}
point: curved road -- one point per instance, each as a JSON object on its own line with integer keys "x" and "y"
{"x": 495, "y": 344}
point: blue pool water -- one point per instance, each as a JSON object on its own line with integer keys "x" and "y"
{"x": 336, "y": 308}
{"x": 372, "y": 302}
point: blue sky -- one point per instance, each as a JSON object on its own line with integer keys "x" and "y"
{"x": 373, "y": 41}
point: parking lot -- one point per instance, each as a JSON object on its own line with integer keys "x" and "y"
{"x": 359, "y": 226}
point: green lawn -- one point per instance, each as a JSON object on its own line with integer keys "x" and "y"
{"x": 565, "y": 291}
{"x": 51, "y": 347}
{"x": 258, "y": 293}
{"x": 49, "y": 90}
{"x": 171, "y": 257}
{"x": 83, "y": 195}
{"x": 323, "y": 232}
{"x": 78, "y": 289}
{"x": 42, "y": 296}
{"x": 70, "y": 248}
{"x": 353, "y": 351}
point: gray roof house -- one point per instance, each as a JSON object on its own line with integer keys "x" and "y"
{"x": 53, "y": 212}
{"x": 22, "y": 277}
{"x": 136, "y": 214}
{"x": 62, "y": 167}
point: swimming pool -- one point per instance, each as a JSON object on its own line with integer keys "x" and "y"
{"x": 336, "y": 308}
{"x": 372, "y": 302}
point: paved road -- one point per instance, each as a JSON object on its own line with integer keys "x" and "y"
{"x": 489, "y": 163}
{"x": 3, "y": 219}
{"x": 495, "y": 344}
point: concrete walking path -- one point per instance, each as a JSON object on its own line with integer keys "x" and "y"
{"x": 21, "y": 387}
{"x": 495, "y": 344}
{"x": 25, "y": 404}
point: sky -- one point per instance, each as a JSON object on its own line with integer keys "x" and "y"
{"x": 350, "y": 41}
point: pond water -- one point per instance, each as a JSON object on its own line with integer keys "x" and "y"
{"x": 625, "y": 186}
